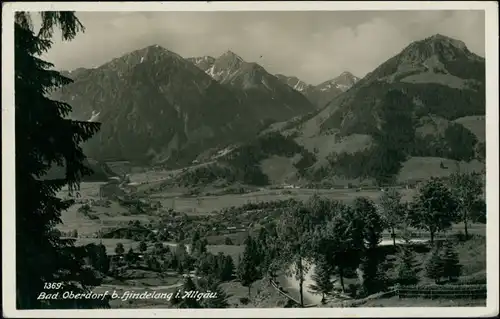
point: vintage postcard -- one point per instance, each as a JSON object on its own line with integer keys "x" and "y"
{"x": 250, "y": 159}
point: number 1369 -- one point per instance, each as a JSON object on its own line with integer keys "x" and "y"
{"x": 52, "y": 285}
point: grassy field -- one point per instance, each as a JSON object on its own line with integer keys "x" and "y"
{"x": 422, "y": 168}
{"x": 475, "y": 124}
{"x": 326, "y": 144}
{"x": 471, "y": 255}
{"x": 231, "y": 250}
{"x": 279, "y": 169}
{"x": 262, "y": 295}
{"x": 207, "y": 204}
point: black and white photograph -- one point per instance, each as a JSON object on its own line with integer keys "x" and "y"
{"x": 257, "y": 158}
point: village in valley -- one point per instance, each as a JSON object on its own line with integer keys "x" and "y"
{"x": 153, "y": 240}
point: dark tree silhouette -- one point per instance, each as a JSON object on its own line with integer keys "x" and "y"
{"x": 451, "y": 263}
{"x": 392, "y": 211}
{"x": 406, "y": 266}
{"x": 373, "y": 224}
{"x": 322, "y": 279}
{"x": 119, "y": 249}
{"x": 434, "y": 208}
{"x": 143, "y": 246}
{"x": 467, "y": 189}
{"x": 247, "y": 271}
{"x": 434, "y": 265}
{"x": 44, "y": 137}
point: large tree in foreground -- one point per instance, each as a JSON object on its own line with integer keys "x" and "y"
{"x": 44, "y": 137}
{"x": 248, "y": 271}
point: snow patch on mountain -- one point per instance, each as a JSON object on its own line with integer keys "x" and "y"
{"x": 95, "y": 116}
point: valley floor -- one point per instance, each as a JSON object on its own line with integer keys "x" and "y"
{"x": 472, "y": 253}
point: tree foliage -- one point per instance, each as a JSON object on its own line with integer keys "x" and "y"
{"x": 451, "y": 264}
{"x": 434, "y": 265}
{"x": 406, "y": 266}
{"x": 143, "y": 246}
{"x": 188, "y": 303}
{"x": 392, "y": 211}
{"x": 119, "y": 249}
{"x": 467, "y": 189}
{"x": 372, "y": 269}
{"x": 323, "y": 283}
{"x": 433, "y": 208}
{"x": 46, "y": 137}
{"x": 373, "y": 225}
{"x": 248, "y": 271}
{"x": 340, "y": 240}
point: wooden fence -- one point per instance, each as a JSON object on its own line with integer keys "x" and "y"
{"x": 359, "y": 302}
{"x": 445, "y": 291}
{"x": 431, "y": 291}
{"x": 283, "y": 293}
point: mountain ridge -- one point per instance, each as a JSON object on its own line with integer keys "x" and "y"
{"x": 434, "y": 78}
{"x": 264, "y": 89}
{"x": 157, "y": 106}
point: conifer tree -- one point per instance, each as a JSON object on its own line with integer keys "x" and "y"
{"x": 188, "y": 285}
{"x": 119, "y": 249}
{"x": 212, "y": 286}
{"x": 406, "y": 267}
{"x": 247, "y": 269}
{"x": 227, "y": 268}
{"x": 373, "y": 273}
{"x": 130, "y": 256}
{"x": 322, "y": 279}
{"x": 434, "y": 265}
{"x": 451, "y": 264}
{"x": 45, "y": 137}
{"x": 373, "y": 224}
{"x": 143, "y": 246}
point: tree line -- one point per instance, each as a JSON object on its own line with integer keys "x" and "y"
{"x": 395, "y": 139}
{"x": 341, "y": 239}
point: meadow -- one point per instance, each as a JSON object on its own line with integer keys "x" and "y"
{"x": 208, "y": 204}
{"x": 471, "y": 253}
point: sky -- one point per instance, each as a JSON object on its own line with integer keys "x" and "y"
{"x": 315, "y": 46}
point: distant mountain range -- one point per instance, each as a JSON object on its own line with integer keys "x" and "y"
{"x": 323, "y": 93}
{"x": 439, "y": 74}
{"x": 159, "y": 107}
{"x": 263, "y": 91}
{"x": 231, "y": 69}
{"x": 156, "y": 106}
{"x": 437, "y": 81}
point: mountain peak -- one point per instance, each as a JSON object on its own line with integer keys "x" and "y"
{"x": 437, "y": 45}
{"x": 153, "y": 48}
{"x": 230, "y": 55}
{"x": 346, "y": 73}
{"x": 445, "y": 39}
{"x": 151, "y": 51}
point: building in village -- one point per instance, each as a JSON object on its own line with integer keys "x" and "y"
{"x": 118, "y": 186}
{"x": 111, "y": 189}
